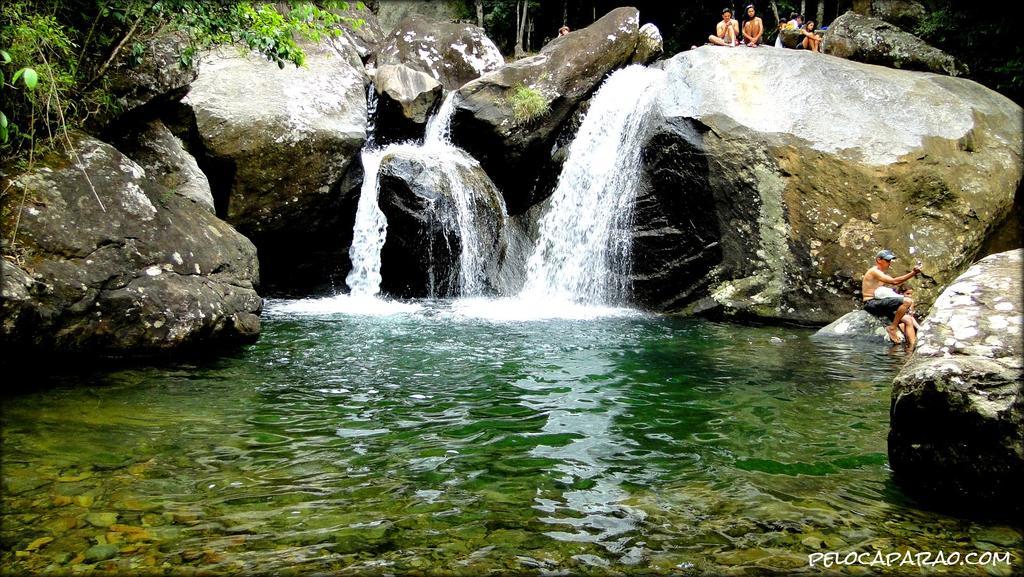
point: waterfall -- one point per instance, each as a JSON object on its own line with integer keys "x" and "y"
{"x": 582, "y": 254}
{"x": 447, "y": 165}
{"x": 440, "y": 124}
{"x": 369, "y": 231}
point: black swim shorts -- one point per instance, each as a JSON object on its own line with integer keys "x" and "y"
{"x": 884, "y": 308}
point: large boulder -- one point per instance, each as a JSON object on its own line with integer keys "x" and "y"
{"x": 106, "y": 261}
{"x": 649, "y": 45}
{"x": 164, "y": 158}
{"x": 807, "y": 185}
{"x": 362, "y": 30}
{"x": 957, "y": 416}
{"x": 434, "y": 248}
{"x": 874, "y": 41}
{"x": 276, "y": 144}
{"x": 391, "y": 13}
{"x": 452, "y": 53}
{"x": 158, "y": 76}
{"x": 406, "y": 99}
{"x": 510, "y": 145}
{"x": 906, "y": 14}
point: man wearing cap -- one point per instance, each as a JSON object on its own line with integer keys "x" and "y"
{"x": 888, "y": 307}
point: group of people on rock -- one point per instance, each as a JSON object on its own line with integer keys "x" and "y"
{"x": 729, "y": 32}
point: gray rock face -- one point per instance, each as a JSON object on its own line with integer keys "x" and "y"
{"x": 158, "y": 77}
{"x": 903, "y": 13}
{"x": 392, "y": 12}
{"x": 675, "y": 237}
{"x": 406, "y": 96}
{"x": 807, "y": 186}
{"x": 566, "y": 71}
{"x": 874, "y": 41}
{"x": 164, "y": 158}
{"x": 425, "y": 248}
{"x": 649, "y": 45}
{"x": 362, "y": 30}
{"x": 149, "y": 272}
{"x": 453, "y": 54}
{"x": 957, "y": 415}
{"x": 858, "y": 325}
{"x": 277, "y": 143}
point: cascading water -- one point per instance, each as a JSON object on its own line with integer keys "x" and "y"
{"x": 370, "y": 227}
{"x": 582, "y": 253}
{"x": 448, "y": 165}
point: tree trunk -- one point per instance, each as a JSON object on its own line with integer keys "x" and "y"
{"x": 803, "y": 9}
{"x": 775, "y": 11}
{"x": 522, "y": 7}
{"x": 821, "y": 13}
{"x": 529, "y": 35}
{"x": 480, "y": 13}
{"x": 565, "y": 12}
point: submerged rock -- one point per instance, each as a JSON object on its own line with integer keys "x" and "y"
{"x": 108, "y": 262}
{"x": 957, "y": 416}
{"x": 425, "y": 251}
{"x": 799, "y": 189}
{"x": 856, "y": 325}
{"x": 276, "y": 144}
{"x": 874, "y": 41}
{"x": 512, "y": 146}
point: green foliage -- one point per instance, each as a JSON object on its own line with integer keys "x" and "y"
{"x": 57, "y": 53}
{"x": 985, "y": 40}
{"x": 527, "y": 104}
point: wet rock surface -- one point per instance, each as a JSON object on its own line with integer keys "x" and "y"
{"x": 807, "y": 189}
{"x": 857, "y": 325}
{"x": 111, "y": 263}
{"x": 422, "y": 256}
{"x": 564, "y": 73}
{"x": 957, "y": 415}
{"x": 875, "y": 41}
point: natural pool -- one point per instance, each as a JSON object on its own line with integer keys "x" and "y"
{"x": 430, "y": 441}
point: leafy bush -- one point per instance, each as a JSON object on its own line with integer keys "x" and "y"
{"x": 67, "y": 46}
{"x": 527, "y": 104}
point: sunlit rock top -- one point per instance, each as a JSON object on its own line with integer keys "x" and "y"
{"x": 869, "y": 113}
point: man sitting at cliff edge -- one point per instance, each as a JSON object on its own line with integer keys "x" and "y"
{"x": 881, "y": 301}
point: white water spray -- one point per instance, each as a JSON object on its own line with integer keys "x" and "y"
{"x": 583, "y": 250}
{"x": 448, "y": 166}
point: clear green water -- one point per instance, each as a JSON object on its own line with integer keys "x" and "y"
{"x": 428, "y": 444}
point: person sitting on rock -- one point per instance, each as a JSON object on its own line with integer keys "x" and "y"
{"x": 753, "y": 28}
{"x": 726, "y": 31}
{"x": 881, "y": 301}
{"x": 811, "y": 40}
{"x": 563, "y": 30}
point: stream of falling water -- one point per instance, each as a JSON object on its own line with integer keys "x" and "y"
{"x": 583, "y": 251}
{"x": 449, "y": 164}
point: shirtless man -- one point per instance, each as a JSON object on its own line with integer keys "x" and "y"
{"x": 753, "y": 28}
{"x": 726, "y": 31}
{"x": 889, "y": 308}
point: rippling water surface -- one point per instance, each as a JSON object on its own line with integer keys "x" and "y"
{"x": 428, "y": 439}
